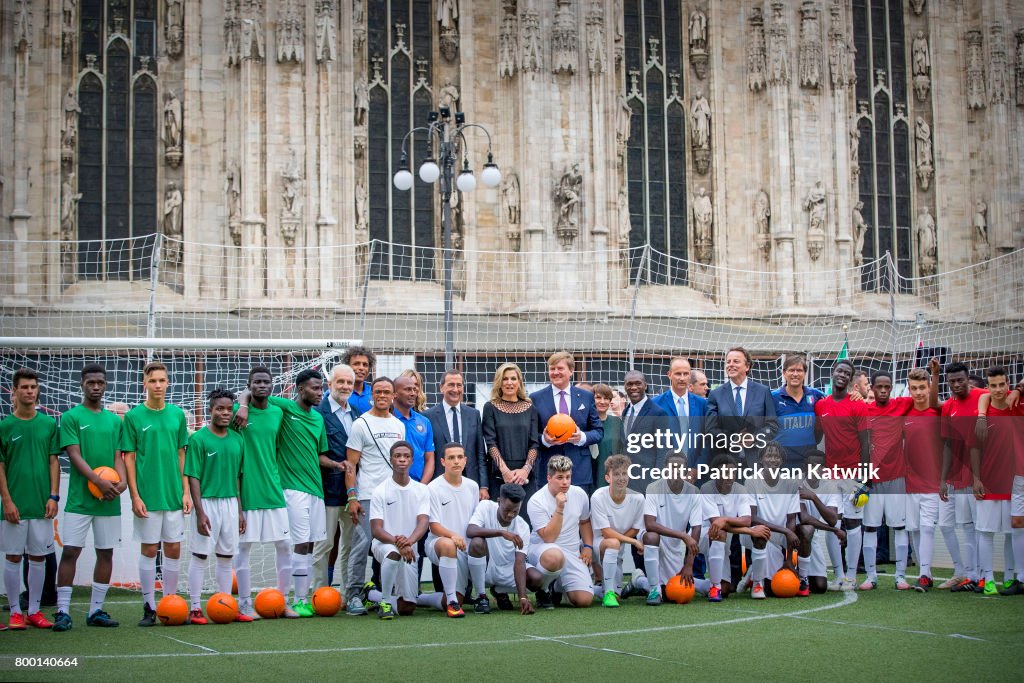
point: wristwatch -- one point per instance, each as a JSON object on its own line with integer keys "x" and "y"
{"x": 55, "y": 498}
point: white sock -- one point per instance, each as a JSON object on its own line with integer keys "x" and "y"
{"x": 716, "y": 556}
{"x": 609, "y": 566}
{"x": 549, "y": 578}
{"x": 701, "y": 586}
{"x": 64, "y": 599}
{"x": 12, "y": 584}
{"x": 926, "y": 550}
{"x": 36, "y": 576}
{"x": 300, "y": 575}
{"x": 835, "y": 555}
{"x": 147, "y": 580}
{"x": 902, "y": 548}
{"x": 434, "y": 600}
{"x": 448, "y": 568}
{"x": 652, "y": 555}
{"x": 870, "y": 545}
{"x": 970, "y": 551}
{"x": 388, "y": 576}
{"x": 374, "y": 595}
{"x": 953, "y": 546}
{"x": 853, "y": 543}
{"x": 803, "y": 566}
{"x": 1018, "y": 552}
{"x": 224, "y": 575}
{"x": 242, "y": 572}
{"x": 196, "y": 573}
{"x": 172, "y": 569}
{"x": 640, "y": 580}
{"x": 99, "y": 594}
{"x": 478, "y": 570}
{"x": 758, "y": 564}
{"x": 1009, "y": 565}
{"x": 986, "y": 541}
{"x": 284, "y": 566}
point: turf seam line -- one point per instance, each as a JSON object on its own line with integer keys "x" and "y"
{"x": 185, "y": 642}
{"x": 591, "y": 647}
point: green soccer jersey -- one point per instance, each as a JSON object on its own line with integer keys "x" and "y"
{"x": 25, "y": 448}
{"x": 155, "y": 436}
{"x": 216, "y": 461}
{"x": 303, "y": 437}
{"x": 98, "y": 436}
{"x": 261, "y": 481}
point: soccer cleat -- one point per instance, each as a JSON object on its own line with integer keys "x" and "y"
{"x": 901, "y": 583}
{"x": 17, "y": 622}
{"x": 950, "y": 584}
{"x": 364, "y": 595}
{"x": 654, "y": 598}
{"x": 3, "y": 626}
{"x": 610, "y": 600}
{"x": 246, "y": 609}
{"x": 454, "y": 610}
{"x": 504, "y": 602}
{"x": 556, "y": 598}
{"x": 757, "y": 592}
{"x": 979, "y": 586}
{"x": 923, "y": 584}
{"x": 243, "y": 618}
{"x": 289, "y": 613}
{"x": 629, "y": 590}
{"x": 303, "y": 609}
{"x": 148, "y": 616}
{"x": 61, "y": 622}
{"x": 102, "y": 619}
{"x": 965, "y": 586}
{"x": 384, "y": 610}
{"x": 39, "y": 621}
{"x": 1014, "y": 588}
{"x": 847, "y": 586}
{"x": 544, "y": 600}
{"x": 355, "y": 607}
{"x": 482, "y": 605}
{"x": 1006, "y": 584}
{"x": 990, "y": 588}
{"x": 835, "y": 585}
{"x": 868, "y": 585}
{"x": 805, "y": 588}
{"x": 744, "y": 582}
{"x": 196, "y": 618}
{"x": 714, "y": 594}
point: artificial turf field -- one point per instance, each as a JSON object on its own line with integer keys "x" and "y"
{"x": 878, "y": 635}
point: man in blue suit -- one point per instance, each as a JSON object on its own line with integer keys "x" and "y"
{"x": 742, "y": 407}
{"x": 689, "y": 410}
{"x": 455, "y": 422}
{"x": 338, "y": 413}
{"x": 561, "y": 397}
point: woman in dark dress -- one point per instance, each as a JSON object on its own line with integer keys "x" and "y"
{"x": 611, "y": 443}
{"x": 510, "y": 431}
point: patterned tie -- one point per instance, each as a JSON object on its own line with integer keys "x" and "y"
{"x": 739, "y": 401}
{"x": 682, "y": 409}
{"x": 456, "y": 432}
{"x": 563, "y": 407}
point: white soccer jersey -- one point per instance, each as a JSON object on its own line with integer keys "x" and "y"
{"x": 451, "y": 506}
{"x": 621, "y": 517}
{"x": 399, "y": 506}
{"x": 500, "y": 552}
{"x": 736, "y": 503}
{"x": 828, "y": 492}
{"x": 373, "y": 437}
{"x": 677, "y": 511}
{"x": 577, "y": 508}
{"x": 774, "y": 503}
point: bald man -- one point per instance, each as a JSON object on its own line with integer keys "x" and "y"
{"x": 688, "y": 408}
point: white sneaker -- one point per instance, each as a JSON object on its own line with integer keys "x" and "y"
{"x": 246, "y": 608}
{"x": 847, "y": 585}
{"x": 835, "y": 585}
{"x": 949, "y": 583}
{"x": 744, "y": 582}
{"x": 901, "y": 583}
{"x": 757, "y": 593}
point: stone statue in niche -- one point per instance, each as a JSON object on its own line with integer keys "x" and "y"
{"x": 448, "y": 20}
{"x": 778, "y": 46}
{"x": 700, "y": 132}
{"x": 508, "y": 41}
{"x": 625, "y": 224}
{"x": 172, "y": 222}
{"x": 595, "y": 38}
{"x": 623, "y": 123}
{"x": 362, "y": 102}
{"x": 810, "y": 46}
{"x": 533, "y": 51}
{"x": 757, "y": 67}
{"x": 567, "y": 198}
{"x": 926, "y": 243}
{"x": 68, "y": 208}
{"x": 975, "y": 71}
{"x": 703, "y": 219}
{"x": 918, "y": 6}
{"x": 358, "y": 23}
{"x": 997, "y": 81}
{"x": 251, "y": 39}
{"x": 449, "y": 96}
{"x": 510, "y": 198}
{"x": 69, "y": 133}
{"x": 860, "y": 229}
{"x": 233, "y": 190}
{"x": 291, "y": 33}
{"x": 925, "y": 169}
{"x": 922, "y": 67}
{"x": 362, "y": 212}
{"x": 762, "y": 219}
{"x": 291, "y": 188}
{"x": 854, "y": 152}
{"x": 837, "y": 48}
{"x": 174, "y": 28}
{"x": 68, "y": 27}
{"x": 232, "y": 33}
{"x": 563, "y": 39}
{"x": 981, "y": 222}
{"x": 699, "y": 42}
{"x": 172, "y": 135}
{"x": 816, "y": 206}
{"x": 326, "y": 36}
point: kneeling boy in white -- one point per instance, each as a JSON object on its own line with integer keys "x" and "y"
{"x": 776, "y": 505}
{"x": 498, "y": 546}
{"x": 453, "y": 498}
{"x": 618, "y": 515}
{"x": 820, "y": 503}
{"x": 213, "y": 465}
{"x": 399, "y": 515}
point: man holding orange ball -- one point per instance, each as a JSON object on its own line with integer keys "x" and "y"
{"x": 562, "y": 397}
{"x": 90, "y": 435}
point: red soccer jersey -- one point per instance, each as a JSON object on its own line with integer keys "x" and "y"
{"x": 841, "y": 423}
{"x": 922, "y": 444}
{"x": 958, "y": 427}
{"x": 1018, "y": 430}
{"x": 886, "y": 424}
{"x": 997, "y": 457}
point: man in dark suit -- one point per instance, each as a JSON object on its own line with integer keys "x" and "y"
{"x": 689, "y": 410}
{"x": 742, "y": 407}
{"x": 338, "y": 414}
{"x": 643, "y": 416}
{"x": 455, "y": 422}
{"x": 561, "y": 397}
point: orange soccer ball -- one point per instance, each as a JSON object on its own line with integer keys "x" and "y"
{"x": 677, "y": 591}
{"x": 785, "y": 584}
{"x": 221, "y": 608}
{"x": 560, "y": 427}
{"x": 270, "y": 603}
{"x": 172, "y": 610}
{"x": 326, "y": 601}
{"x": 103, "y": 472}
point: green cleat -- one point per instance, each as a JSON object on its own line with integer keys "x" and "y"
{"x": 384, "y": 610}
{"x": 610, "y": 600}
{"x": 990, "y": 588}
{"x": 303, "y": 608}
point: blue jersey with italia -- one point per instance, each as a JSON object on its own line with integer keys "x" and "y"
{"x": 796, "y": 421}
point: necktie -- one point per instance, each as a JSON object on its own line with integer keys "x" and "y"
{"x": 739, "y": 401}
{"x": 630, "y": 417}
{"x": 682, "y": 409}
{"x": 456, "y": 432}
{"x": 563, "y": 407}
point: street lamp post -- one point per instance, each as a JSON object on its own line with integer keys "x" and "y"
{"x": 446, "y": 143}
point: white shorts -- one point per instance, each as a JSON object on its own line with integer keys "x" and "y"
{"x": 106, "y": 530}
{"x": 165, "y": 526}
{"x": 992, "y": 516}
{"x": 847, "y": 487}
{"x": 575, "y": 575}
{"x": 922, "y": 510}
{"x": 501, "y": 577}
{"x": 265, "y": 526}
{"x": 29, "y": 536}
{"x": 671, "y": 555}
{"x": 463, "y": 565}
{"x": 1017, "y": 497}
{"x": 819, "y": 551}
{"x": 407, "y": 584}
{"x": 965, "y": 505}
{"x": 307, "y": 516}
{"x": 889, "y": 500}
{"x": 223, "y": 538}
